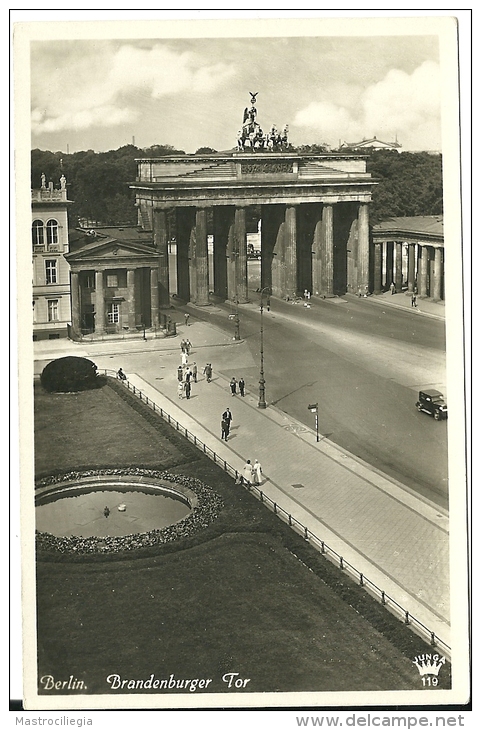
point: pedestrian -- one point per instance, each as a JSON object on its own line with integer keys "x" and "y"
{"x": 233, "y": 386}
{"x": 188, "y": 346}
{"x": 185, "y": 359}
{"x": 180, "y": 390}
{"x": 187, "y": 374}
{"x": 308, "y": 295}
{"x": 242, "y": 386}
{"x": 257, "y": 472}
{"x": 225, "y": 427}
{"x": 180, "y": 374}
{"x": 268, "y": 304}
{"x": 227, "y": 416}
{"x": 392, "y": 287}
{"x": 414, "y": 302}
{"x": 182, "y": 346}
{"x": 194, "y": 372}
{"x": 187, "y": 388}
{"x": 208, "y": 372}
{"x": 186, "y": 319}
{"x": 247, "y": 472}
{"x": 121, "y": 375}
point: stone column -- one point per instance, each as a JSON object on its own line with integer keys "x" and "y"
{"x": 327, "y": 252}
{"x": 411, "y": 266}
{"x": 131, "y": 298}
{"x": 363, "y": 247}
{"x": 240, "y": 251}
{"x": 75, "y": 300}
{"x": 423, "y": 272}
{"x": 389, "y": 263}
{"x": 290, "y": 251}
{"x": 161, "y": 240}
{"x": 398, "y": 252}
{"x": 154, "y": 297}
{"x": 377, "y": 267}
{"x": 317, "y": 255}
{"x": 199, "y": 264}
{"x": 99, "y": 303}
{"x": 438, "y": 274}
{"x": 185, "y": 221}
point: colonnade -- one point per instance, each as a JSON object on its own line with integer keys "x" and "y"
{"x": 319, "y": 246}
{"x": 415, "y": 266}
{"x": 136, "y": 296}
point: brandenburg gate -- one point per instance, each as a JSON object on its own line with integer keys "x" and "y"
{"x": 314, "y": 213}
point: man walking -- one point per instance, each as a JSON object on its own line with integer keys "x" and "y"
{"x": 208, "y": 372}
{"x": 186, "y": 319}
{"x": 194, "y": 372}
{"x": 225, "y": 428}
{"x": 180, "y": 374}
{"x": 187, "y": 389}
{"x": 242, "y": 386}
{"x": 227, "y": 416}
{"x": 233, "y": 386}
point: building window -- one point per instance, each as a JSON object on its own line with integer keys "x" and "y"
{"x": 52, "y": 232}
{"x": 37, "y": 233}
{"x": 112, "y": 281}
{"x": 113, "y": 313}
{"x": 52, "y": 305}
{"x": 51, "y": 271}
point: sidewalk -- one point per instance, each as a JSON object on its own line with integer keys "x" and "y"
{"x": 397, "y": 540}
{"x": 402, "y": 300}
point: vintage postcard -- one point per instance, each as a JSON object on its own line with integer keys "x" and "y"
{"x": 239, "y": 253}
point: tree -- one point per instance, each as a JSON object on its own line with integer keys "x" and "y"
{"x": 205, "y": 151}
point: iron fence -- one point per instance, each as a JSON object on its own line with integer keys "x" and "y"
{"x": 320, "y": 545}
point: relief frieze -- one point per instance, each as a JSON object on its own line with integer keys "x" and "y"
{"x": 259, "y": 168}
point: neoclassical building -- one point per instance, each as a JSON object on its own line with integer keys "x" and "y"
{"x": 409, "y": 251}
{"x": 312, "y": 212}
{"x": 114, "y": 281}
{"x": 51, "y": 273}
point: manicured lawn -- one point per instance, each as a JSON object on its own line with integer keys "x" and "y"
{"x": 246, "y": 595}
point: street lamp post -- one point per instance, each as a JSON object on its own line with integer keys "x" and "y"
{"x": 314, "y": 408}
{"x": 262, "y": 383}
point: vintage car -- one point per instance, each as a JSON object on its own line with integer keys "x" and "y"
{"x": 432, "y": 402}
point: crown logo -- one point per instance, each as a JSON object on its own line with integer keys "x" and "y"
{"x": 429, "y": 663}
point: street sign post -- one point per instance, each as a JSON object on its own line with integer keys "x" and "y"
{"x": 314, "y": 408}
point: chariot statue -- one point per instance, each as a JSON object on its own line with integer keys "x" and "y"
{"x": 251, "y": 137}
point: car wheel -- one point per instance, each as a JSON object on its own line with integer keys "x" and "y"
{"x": 436, "y": 416}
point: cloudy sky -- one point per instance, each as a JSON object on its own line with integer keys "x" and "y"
{"x": 191, "y": 92}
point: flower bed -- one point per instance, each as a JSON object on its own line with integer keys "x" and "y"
{"x": 204, "y": 512}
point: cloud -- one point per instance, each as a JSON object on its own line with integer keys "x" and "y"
{"x": 106, "y": 87}
{"x": 402, "y": 104}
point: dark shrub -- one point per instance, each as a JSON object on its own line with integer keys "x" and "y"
{"x": 70, "y": 374}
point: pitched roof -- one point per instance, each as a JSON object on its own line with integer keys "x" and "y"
{"x": 424, "y": 224}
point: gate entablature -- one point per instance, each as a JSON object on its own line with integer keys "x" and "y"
{"x": 314, "y": 215}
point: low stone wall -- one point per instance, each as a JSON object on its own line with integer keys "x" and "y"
{"x": 205, "y": 505}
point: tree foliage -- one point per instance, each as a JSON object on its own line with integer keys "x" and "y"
{"x": 69, "y": 375}
{"x": 409, "y": 184}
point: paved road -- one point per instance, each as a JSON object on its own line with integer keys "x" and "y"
{"x": 364, "y": 365}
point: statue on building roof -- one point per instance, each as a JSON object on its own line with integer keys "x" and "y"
{"x": 251, "y": 137}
